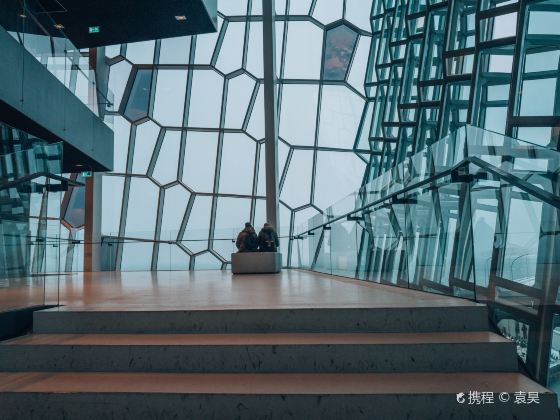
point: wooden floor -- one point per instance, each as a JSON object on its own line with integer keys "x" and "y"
{"x": 219, "y": 290}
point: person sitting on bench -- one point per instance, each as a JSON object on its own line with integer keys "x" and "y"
{"x": 247, "y": 240}
{"x": 268, "y": 239}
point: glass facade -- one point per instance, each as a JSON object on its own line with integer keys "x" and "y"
{"x": 437, "y": 122}
{"x": 189, "y": 131}
{"x": 435, "y": 66}
{"x": 461, "y": 195}
{"x": 473, "y": 215}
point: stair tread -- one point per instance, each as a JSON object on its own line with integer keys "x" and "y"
{"x": 267, "y": 383}
{"x": 254, "y": 306}
{"x": 256, "y": 339}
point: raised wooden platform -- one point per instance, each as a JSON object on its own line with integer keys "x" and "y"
{"x": 294, "y": 345}
{"x": 212, "y": 290}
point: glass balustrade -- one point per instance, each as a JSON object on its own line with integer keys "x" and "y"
{"x": 32, "y": 25}
{"x": 31, "y": 188}
{"x": 474, "y": 215}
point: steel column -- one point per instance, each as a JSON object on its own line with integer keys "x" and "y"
{"x": 270, "y": 113}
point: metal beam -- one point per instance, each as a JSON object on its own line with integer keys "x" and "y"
{"x": 270, "y": 113}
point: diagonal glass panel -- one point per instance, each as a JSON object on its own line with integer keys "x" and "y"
{"x": 298, "y": 114}
{"x": 140, "y": 52}
{"x": 239, "y": 93}
{"x": 144, "y": 143}
{"x": 231, "y": 215}
{"x": 165, "y": 170}
{"x": 143, "y": 195}
{"x": 254, "y": 50}
{"x": 118, "y": 78}
{"x": 175, "y": 50}
{"x": 197, "y": 232}
{"x": 237, "y": 165}
{"x": 358, "y": 13}
{"x": 206, "y": 99}
{"x": 336, "y": 174}
{"x": 327, "y": 11}
{"x": 174, "y": 207}
{"x": 169, "y": 100}
{"x": 200, "y": 161}
{"x": 303, "y": 50}
{"x": 294, "y": 192}
{"x": 341, "y": 111}
{"x": 340, "y": 43}
{"x": 111, "y": 204}
{"x": 121, "y": 128}
{"x": 231, "y": 50}
{"x": 357, "y": 72}
{"x": 139, "y": 98}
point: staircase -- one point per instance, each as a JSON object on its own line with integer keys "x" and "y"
{"x": 306, "y": 363}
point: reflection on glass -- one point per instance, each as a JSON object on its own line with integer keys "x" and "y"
{"x": 30, "y": 219}
{"x": 516, "y": 331}
{"x": 474, "y": 215}
{"x": 340, "y": 43}
{"x": 75, "y": 210}
{"x": 139, "y": 99}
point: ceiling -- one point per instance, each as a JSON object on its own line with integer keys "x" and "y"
{"x": 123, "y": 21}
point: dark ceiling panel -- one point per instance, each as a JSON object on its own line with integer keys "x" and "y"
{"x": 123, "y": 21}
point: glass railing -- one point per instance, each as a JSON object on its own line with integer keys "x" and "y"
{"x": 174, "y": 250}
{"x": 143, "y": 253}
{"x": 140, "y": 252}
{"x": 38, "y": 159}
{"x": 30, "y": 194}
{"x": 475, "y": 215}
{"x": 29, "y": 23}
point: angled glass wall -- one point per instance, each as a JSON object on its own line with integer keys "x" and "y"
{"x": 34, "y": 210}
{"x": 438, "y": 65}
{"x": 473, "y": 215}
{"x": 461, "y": 195}
{"x": 189, "y": 131}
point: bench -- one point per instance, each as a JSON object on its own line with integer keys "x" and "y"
{"x": 256, "y": 262}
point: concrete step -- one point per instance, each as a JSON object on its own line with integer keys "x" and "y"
{"x": 259, "y": 353}
{"x": 89, "y": 396}
{"x": 378, "y": 319}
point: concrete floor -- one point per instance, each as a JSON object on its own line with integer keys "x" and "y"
{"x": 199, "y": 290}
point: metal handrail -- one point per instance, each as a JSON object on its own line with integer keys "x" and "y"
{"x": 28, "y": 178}
{"x": 523, "y": 185}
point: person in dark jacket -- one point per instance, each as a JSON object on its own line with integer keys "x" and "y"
{"x": 268, "y": 239}
{"x": 247, "y": 240}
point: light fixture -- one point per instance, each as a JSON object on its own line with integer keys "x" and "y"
{"x": 181, "y": 18}
{"x": 59, "y": 26}
{"x": 22, "y": 15}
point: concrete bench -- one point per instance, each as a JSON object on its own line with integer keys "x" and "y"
{"x": 256, "y": 262}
